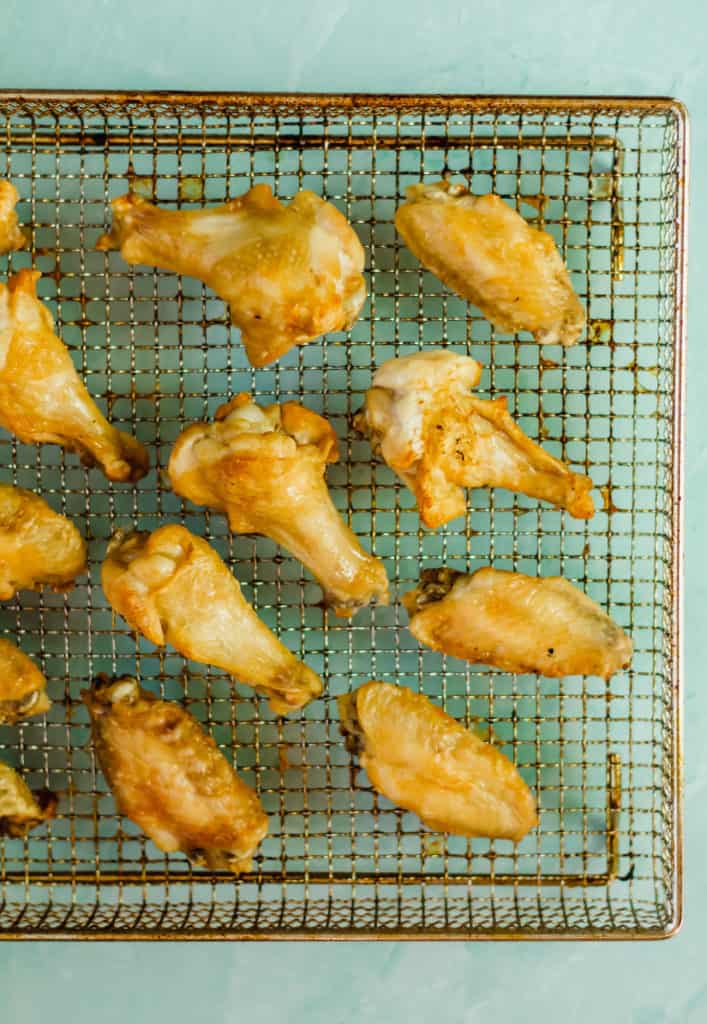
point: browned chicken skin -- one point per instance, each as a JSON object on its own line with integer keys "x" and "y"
{"x": 38, "y": 546}
{"x": 288, "y": 273}
{"x": 421, "y": 759}
{"x": 169, "y": 777}
{"x": 173, "y": 588}
{"x": 20, "y": 809}
{"x": 42, "y": 398}
{"x": 264, "y": 468}
{"x": 440, "y": 439}
{"x": 487, "y": 253}
{"x": 11, "y": 235}
{"x": 517, "y": 623}
{"x": 22, "y": 686}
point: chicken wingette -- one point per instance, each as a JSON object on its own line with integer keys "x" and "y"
{"x": 23, "y": 690}
{"x": 264, "y": 469}
{"x": 11, "y": 235}
{"x": 20, "y": 809}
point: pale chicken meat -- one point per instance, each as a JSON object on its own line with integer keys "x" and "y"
{"x": 23, "y": 690}
{"x": 42, "y": 398}
{"x": 21, "y": 810}
{"x": 288, "y": 273}
{"x": 169, "y": 777}
{"x": 11, "y": 235}
{"x": 264, "y": 469}
{"x": 172, "y": 587}
{"x": 483, "y": 250}
{"x": 517, "y": 623}
{"x": 38, "y": 547}
{"x": 423, "y": 760}
{"x": 440, "y": 439}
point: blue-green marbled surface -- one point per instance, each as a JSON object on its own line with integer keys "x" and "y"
{"x": 642, "y": 48}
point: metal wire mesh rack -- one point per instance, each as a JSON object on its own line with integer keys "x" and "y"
{"x": 607, "y": 179}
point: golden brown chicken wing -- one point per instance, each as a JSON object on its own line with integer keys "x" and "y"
{"x": 487, "y": 253}
{"x": 423, "y": 760}
{"x": 264, "y": 468}
{"x": 11, "y": 235}
{"x": 20, "y": 809}
{"x": 38, "y": 546}
{"x": 517, "y": 623}
{"x": 288, "y": 273}
{"x": 169, "y": 777}
{"x": 42, "y": 399}
{"x": 440, "y": 439}
{"x": 22, "y": 686}
{"x": 174, "y": 589}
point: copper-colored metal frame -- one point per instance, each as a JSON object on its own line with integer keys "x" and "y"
{"x": 484, "y": 104}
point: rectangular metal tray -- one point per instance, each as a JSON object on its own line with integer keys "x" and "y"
{"x": 607, "y": 178}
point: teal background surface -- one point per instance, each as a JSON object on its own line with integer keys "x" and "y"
{"x": 642, "y": 48}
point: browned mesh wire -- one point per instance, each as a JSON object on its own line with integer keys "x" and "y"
{"x": 606, "y": 178}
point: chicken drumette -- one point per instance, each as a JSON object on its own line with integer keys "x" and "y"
{"x": 264, "y": 468}
{"x": 439, "y": 439}
{"x": 517, "y": 623}
{"x": 423, "y": 760}
{"x": 38, "y": 546}
{"x": 42, "y": 398}
{"x": 22, "y": 686}
{"x": 174, "y": 589}
{"x": 11, "y": 235}
{"x": 169, "y": 777}
{"x": 487, "y": 253}
{"x": 20, "y": 809}
{"x": 288, "y": 273}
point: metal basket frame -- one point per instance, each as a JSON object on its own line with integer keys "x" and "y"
{"x": 607, "y": 177}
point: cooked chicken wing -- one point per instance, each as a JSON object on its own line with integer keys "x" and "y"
{"x": 423, "y": 760}
{"x": 440, "y": 439}
{"x": 288, "y": 273}
{"x": 42, "y": 399}
{"x": 264, "y": 468}
{"x": 22, "y": 686}
{"x": 11, "y": 235}
{"x": 517, "y": 623}
{"x": 169, "y": 777}
{"x": 174, "y": 589}
{"x": 37, "y": 545}
{"x": 487, "y": 253}
{"x": 20, "y": 809}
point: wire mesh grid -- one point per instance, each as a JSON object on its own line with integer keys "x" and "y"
{"x": 606, "y": 179}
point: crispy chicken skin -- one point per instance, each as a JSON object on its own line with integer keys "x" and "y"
{"x": 440, "y": 439}
{"x": 169, "y": 777}
{"x": 42, "y": 398}
{"x": 174, "y": 589}
{"x": 264, "y": 468}
{"x": 38, "y": 546}
{"x": 22, "y": 686}
{"x": 517, "y": 623}
{"x": 11, "y": 235}
{"x": 20, "y": 809}
{"x": 288, "y": 273}
{"x": 421, "y": 759}
{"x": 487, "y": 253}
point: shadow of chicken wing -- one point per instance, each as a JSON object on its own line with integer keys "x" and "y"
{"x": 169, "y": 777}
{"x": 174, "y": 589}
{"x": 439, "y": 439}
{"x": 421, "y": 759}
{"x": 22, "y": 686}
{"x": 20, "y": 809}
{"x": 42, "y": 398}
{"x": 264, "y": 468}
{"x": 11, "y": 235}
{"x": 288, "y": 273}
{"x": 38, "y": 546}
{"x": 517, "y": 623}
{"x": 487, "y": 253}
